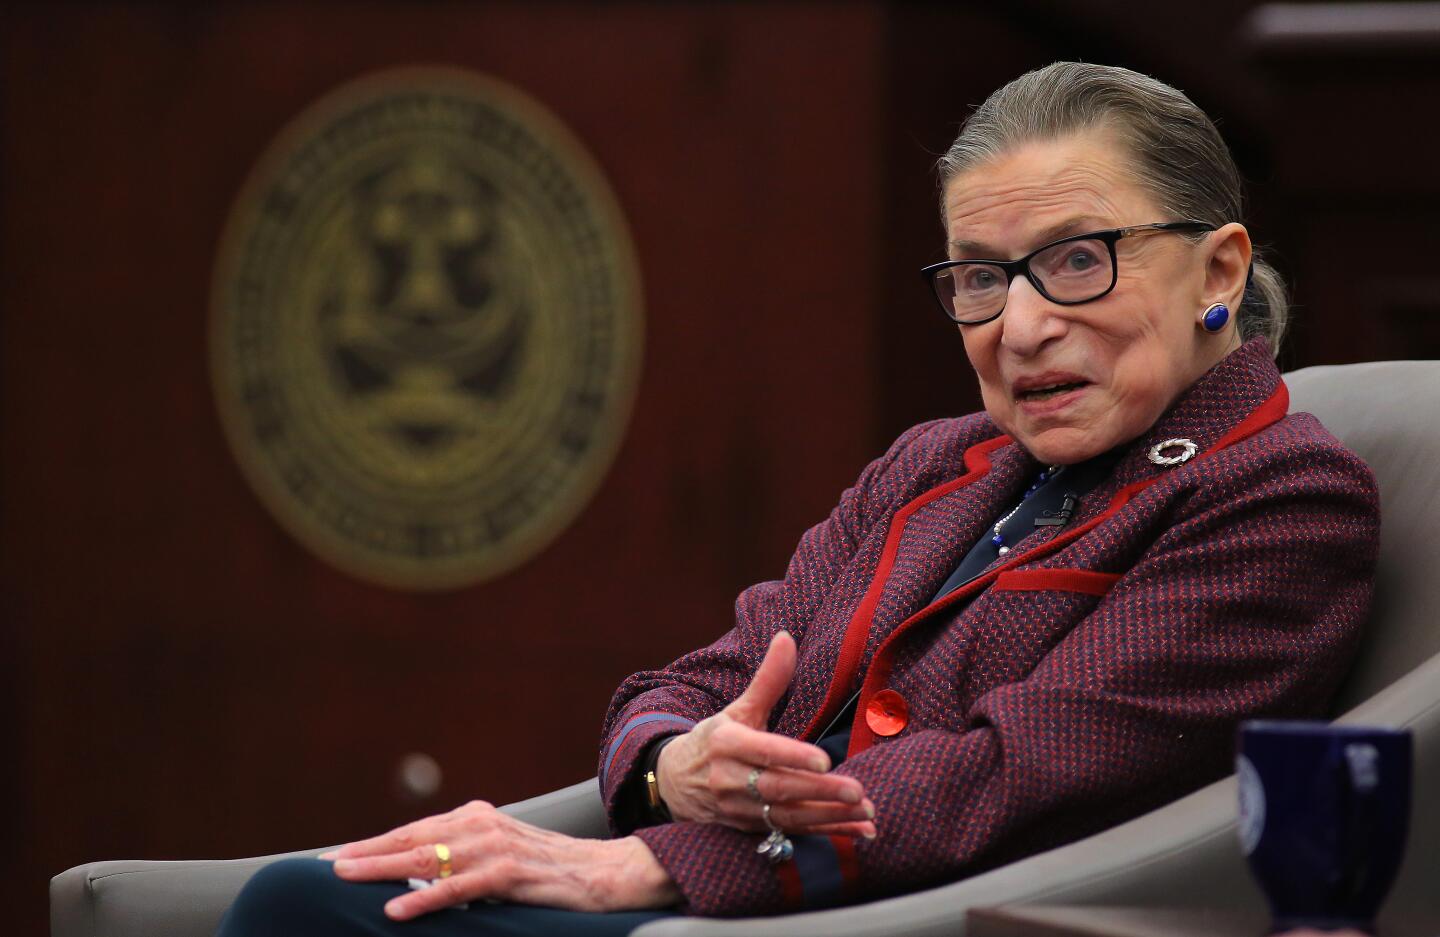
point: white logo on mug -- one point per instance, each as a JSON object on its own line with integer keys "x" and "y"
{"x": 1252, "y": 804}
{"x": 1364, "y": 765}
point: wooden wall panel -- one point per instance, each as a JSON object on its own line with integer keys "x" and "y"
{"x": 189, "y": 681}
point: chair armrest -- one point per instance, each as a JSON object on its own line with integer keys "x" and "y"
{"x": 1181, "y": 854}
{"x": 575, "y": 811}
{"x": 138, "y": 898}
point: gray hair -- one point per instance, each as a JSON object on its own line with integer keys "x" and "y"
{"x": 1178, "y": 155}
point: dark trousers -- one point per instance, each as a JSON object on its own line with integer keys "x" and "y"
{"x": 305, "y": 898}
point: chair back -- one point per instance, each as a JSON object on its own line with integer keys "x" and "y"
{"x": 1388, "y": 412}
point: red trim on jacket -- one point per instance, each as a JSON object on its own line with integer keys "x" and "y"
{"x": 861, "y": 737}
{"x": 849, "y": 861}
{"x": 857, "y": 632}
{"x": 1273, "y": 409}
{"x": 1059, "y": 580}
{"x": 792, "y": 889}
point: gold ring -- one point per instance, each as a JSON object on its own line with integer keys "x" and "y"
{"x": 442, "y": 853}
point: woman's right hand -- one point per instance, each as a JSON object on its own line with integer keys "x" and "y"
{"x": 703, "y": 775}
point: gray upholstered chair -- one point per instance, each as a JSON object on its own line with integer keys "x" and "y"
{"x": 1184, "y": 854}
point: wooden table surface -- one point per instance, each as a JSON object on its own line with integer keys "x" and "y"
{"x": 1111, "y": 921}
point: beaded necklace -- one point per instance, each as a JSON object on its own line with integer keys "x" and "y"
{"x": 998, "y": 539}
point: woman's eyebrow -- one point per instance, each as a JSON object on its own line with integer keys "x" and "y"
{"x": 1077, "y": 225}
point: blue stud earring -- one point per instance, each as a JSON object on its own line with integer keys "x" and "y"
{"x": 1215, "y": 317}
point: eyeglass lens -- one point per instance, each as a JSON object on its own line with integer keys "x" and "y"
{"x": 1072, "y": 271}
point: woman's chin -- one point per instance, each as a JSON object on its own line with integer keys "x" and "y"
{"x": 1062, "y": 446}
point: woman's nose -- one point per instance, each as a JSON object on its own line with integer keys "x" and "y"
{"x": 1029, "y": 320}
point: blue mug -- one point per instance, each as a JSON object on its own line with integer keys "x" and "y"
{"x": 1324, "y": 810}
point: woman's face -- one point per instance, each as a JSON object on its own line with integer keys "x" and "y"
{"x": 1071, "y": 382}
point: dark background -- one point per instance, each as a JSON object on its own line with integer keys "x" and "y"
{"x": 183, "y": 680}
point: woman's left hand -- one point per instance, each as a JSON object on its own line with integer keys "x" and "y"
{"x": 493, "y": 855}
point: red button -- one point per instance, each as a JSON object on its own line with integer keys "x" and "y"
{"x": 887, "y": 713}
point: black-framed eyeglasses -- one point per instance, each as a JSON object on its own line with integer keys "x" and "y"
{"x": 1073, "y": 270}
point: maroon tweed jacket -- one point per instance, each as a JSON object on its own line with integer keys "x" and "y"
{"x": 1095, "y": 672}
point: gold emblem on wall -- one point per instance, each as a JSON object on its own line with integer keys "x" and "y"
{"x": 426, "y": 328}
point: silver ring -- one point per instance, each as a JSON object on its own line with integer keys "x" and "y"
{"x": 752, "y": 784}
{"x": 777, "y": 846}
{"x": 765, "y": 812}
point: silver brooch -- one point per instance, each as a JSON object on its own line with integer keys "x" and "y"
{"x": 1186, "y": 447}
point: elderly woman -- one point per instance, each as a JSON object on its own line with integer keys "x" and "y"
{"x": 1019, "y": 626}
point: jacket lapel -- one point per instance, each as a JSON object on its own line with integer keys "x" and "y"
{"x": 924, "y": 541}
{"x": 937, "y": 536}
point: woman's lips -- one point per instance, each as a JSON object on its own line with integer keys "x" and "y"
{"x": 1051, "y": 399}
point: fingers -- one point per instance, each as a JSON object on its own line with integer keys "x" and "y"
{"x": 477, "y": 814}
{"x": 442, "y": 894}
{"x": 711, "y": 764}
{"x": 397, "y": 840}
{"x": 418, "y": 862}
{"x": 777, "y": 785}
{"x": 495, "y": 856}
{"x": 409, "y": 851}
{"x": 771, "y": 679}
{"x": 752, "y": 747}
{"x": 798, "y": 817}
{"x": 552, "y": 871}
{"x": 864, "y": 829}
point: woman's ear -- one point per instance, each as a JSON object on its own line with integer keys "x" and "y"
{"x": 1227, "y": 265}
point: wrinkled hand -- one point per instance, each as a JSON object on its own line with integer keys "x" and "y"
{"x": 493, "y": 855}
{"x": 703, "y": 773}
